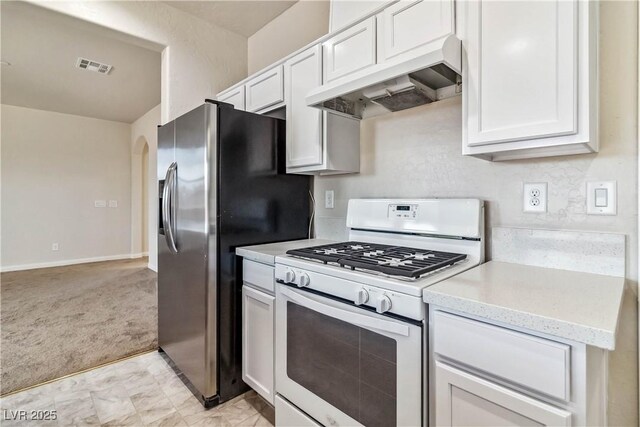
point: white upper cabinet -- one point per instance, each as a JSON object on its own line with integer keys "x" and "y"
{"x": 265, "y": 91}
{"x": 304, "y": 124}
{"x": 409, "y": 25}
{"x": 345, "y": 12}
{"x": 350, "y": 51}
{"x": 234, "y": 97}
{"x": 529, "y": 78}
{"x": 317, "y": 142}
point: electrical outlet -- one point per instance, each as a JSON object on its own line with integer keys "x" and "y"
{"x": 329, "y": 199}
{"x": 100, "y": 203}
{"x": 113, "y": 203}
{"x": 534, "y": 197}
{"x": 55, "y": 247}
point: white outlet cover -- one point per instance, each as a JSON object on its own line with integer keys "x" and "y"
{"x": 607, "y": 187}
{"x": 531, "y": 201}
{"x": 55, "y": 247}
{"x": 113, "y": 203}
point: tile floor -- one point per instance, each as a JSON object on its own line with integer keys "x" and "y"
{"x": 139, "y": 391}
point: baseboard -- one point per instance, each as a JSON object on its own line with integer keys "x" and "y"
{"x": 152, "y": 267}
{"x": 62, "y": 263}
{"x": 139, "y": 255}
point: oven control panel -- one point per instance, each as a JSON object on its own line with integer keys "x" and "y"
{"x": 359, "y": 294}
{"x": 400, "y": 211}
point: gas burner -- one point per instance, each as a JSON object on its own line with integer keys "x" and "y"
{"x": 390, "y": 260}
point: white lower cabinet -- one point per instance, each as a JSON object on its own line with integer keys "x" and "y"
{"x": 463, "y": 399}
{"x": 258, "y": 317}
{"x": 484, "y": 373}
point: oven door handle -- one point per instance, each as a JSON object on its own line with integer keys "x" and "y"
{"x": 345, "y": 315}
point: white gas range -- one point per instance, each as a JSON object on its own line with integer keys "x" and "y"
{"x": 350, "y": 333}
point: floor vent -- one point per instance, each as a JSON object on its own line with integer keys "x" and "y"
{"x": 88, "y": 64}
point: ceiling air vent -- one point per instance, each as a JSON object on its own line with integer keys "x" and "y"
{"x": 88, "y": 64}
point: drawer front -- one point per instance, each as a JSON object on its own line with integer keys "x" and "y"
{"x": 535, "y": 363}
{"x": 258, "y": 275}
{"x": 288, "y": 415}
{"x": 349, "y": 51}
{"x": 462, "y": 399}
{"x": 265, "y": 90}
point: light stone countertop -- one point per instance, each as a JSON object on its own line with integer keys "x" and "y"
{"x": 268, "y": 252}
{"x": 582, "y": 307}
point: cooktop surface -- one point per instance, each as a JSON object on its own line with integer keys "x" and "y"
{"x": 387, "y": 259}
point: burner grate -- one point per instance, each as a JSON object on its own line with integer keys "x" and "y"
{"x": 386, "y": 259}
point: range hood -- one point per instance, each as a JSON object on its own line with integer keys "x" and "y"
{"x": 396, "y": 85}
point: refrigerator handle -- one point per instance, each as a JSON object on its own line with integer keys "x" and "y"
{"x": 168, "y": 207}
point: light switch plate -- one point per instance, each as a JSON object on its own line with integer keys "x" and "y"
{"x": 329, "y": 199}
{"x": 100, "y": 203}
{"x": 602, "y": 198}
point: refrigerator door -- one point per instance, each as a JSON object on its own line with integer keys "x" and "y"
{"x": 257, "y": 203}
{"x": 187, "y": 275}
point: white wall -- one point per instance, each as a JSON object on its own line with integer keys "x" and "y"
{"x": 199, "y": 60}
{"x": 144, "y": 130}
{"x": 53, "y": 168}
{"x": 416, "y": 153}
{"x": 296, "y": 27}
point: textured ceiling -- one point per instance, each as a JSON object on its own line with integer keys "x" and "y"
{"x": 243, "y": 17}
{"x": 43, "y": 47}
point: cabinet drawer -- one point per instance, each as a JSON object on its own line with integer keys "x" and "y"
{"x": 258, "y": 275}
{"x": 535, "y": 363}
{"x": 265, "y": 90}
{"x": 288, "y": 415}
{"x": 463, "y": 399}
{"x": 349, "y": 51}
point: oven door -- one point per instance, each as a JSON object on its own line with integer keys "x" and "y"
{"x": 345, "y": 365}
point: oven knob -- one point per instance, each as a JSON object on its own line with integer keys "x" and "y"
{"x": 290, "y": 276}
{"x": 361, "y": 297}
{"x": 304, "y": 280}
{"x": 383, "y": 304}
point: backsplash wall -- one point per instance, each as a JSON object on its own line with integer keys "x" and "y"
{"x": 416, "y": 153}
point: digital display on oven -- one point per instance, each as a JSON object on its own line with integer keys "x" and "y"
{"x": 403, "y": 208}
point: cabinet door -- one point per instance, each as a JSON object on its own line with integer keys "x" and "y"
{"x": 257, "y": 342}
{"x": 462, "y": 399}
{"x": 265, "y": 90}
{"x": 350, "y": 51}
{"x": 304, "y": 124}
{"x": 342, "y": 13}
{"x": 410, "y": 24}
{"x": 234, "y": 97}
{"x": 520, "y": 76}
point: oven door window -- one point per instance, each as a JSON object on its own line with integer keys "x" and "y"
{"x": 350, "y": 367}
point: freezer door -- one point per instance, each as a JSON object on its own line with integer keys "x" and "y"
{"x": 187, "y": 276}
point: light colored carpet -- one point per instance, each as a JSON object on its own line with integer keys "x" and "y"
{"x": 61, "y": 320}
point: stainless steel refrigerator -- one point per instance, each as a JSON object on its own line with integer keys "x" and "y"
{"x": 222, "y": 184}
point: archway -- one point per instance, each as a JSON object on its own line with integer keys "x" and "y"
{"x": 140, "y": 197}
